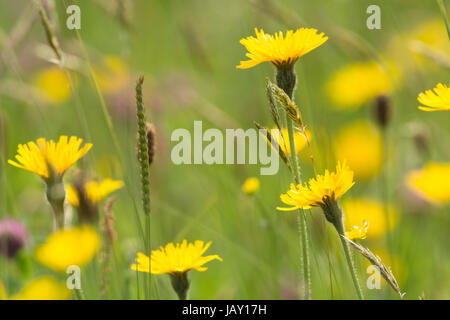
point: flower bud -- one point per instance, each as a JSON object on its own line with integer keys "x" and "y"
{"x": 13, "y": 237}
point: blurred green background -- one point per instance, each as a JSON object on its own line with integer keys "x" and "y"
{"x": 188, "y": 51}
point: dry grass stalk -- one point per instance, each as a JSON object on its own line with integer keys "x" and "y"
{"x": 385, "y": 271}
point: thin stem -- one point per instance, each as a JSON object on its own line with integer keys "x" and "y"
{"x": 336, "y": 219}
{"x": 286, "y": 80}
{"x": 80, "y": 294}
{"x": 352, "y": 268}
{"x": 444, "y": 15}
{"x": 301, "y": 219}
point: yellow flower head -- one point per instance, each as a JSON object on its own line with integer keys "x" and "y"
{"x": 175, "y": 259}
{"x": 284, "y": 144}
{"x": 44, "y": 288}
{"x": 372, "y": 211}
{"x": 432, "y": 182}
{"x": 76, "y": 246}
{"x": 279, "y": 49}
{"x": 357, "y": 84}
{"x": 59, "y": 155}
{"x": 437, "y": 100}
{"x": 361, "y": 144}
{"x": 358, "y": 231}
{"x": 95, "y": 191}
{"x": 53, "y": 84}
{"x": 330, "y": 186}
{"x": 251, "y": 186}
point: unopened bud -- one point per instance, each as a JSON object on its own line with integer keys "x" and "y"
{"x": 383, "y": 110}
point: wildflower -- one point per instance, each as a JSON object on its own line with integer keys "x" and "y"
{"x": 425, "y": 47}
{"x": 279, "y": 49}
{"x": 53, "y": 85}
{"x": 86, "y": 197}
{"x": 369, "y": 210}
{"x": 437, "y": 100}
{"x": 361, "y": 144}
{"x": 357, "y": 231}
{"x": 357, "y": 84}
{"x": 113, "y": 74}
{"x": 44, "y": 288}
{"x": 251, "y": 186}
{"x": 50, "y": 160}
{"x": 13, "y": 237}
{"x": 46, "y": 157}
{"x": 431, "y": 182}
{"x": 76, "y": 246}
{"x": 322, "y": 189}
{"x": 3, "y": 295}
{"x": 95, "y": 191}
{"x": 176, "y": 261}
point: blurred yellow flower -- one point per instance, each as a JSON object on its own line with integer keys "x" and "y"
{"x": 357, "y": 84}
{"x": 251, "y": 186}
{"x": 323, "y": 188}
{"x": 113, "y": 75}
{"x": 285, "y": 146}
{"x": 175, "y": 259}
{"x": 357, "y": 211}
{"x": 421, "y": 47}
{"x": 60, "y": 155}
{"x": 95, "y": 191}
{"x": 358, "y": 231}
{"x": 279, "y": 49}
{"x": 432, "y": 182}
{"x": 2, "y": 291}
{"x": 437, "y": 100}
{"x": 44, "y": 288}
{"x": 361, "y": 144}
{"x": 53, "y": 84}
{"x": 76, "y": 246}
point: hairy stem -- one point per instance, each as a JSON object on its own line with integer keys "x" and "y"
{"x": 286, "y": 80}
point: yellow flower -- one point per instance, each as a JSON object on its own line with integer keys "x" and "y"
{"x": 113, "y": 74}
{"x": 422, "y": 48}
{"x": 358, "y": 231}
{"x": 60, "y": 156}
{"x": 53, "y": 84}
{"x": 285, "y": 146}
{"x": 357, "y": 84}
{"x": 44, "y": 288}
{"x": 3, "y": 295}
{"x": 95, "y": 191}
{"x": 432, "y": 182}
{"x": 330, "y": 186}
{"x": 361, "y": 144}
{"x": 76, "y": 246}
{"x": 372, "y": 211}
{"x": 437, "y": 100}
{"x": 175, "y": 259}
{"x": 251, "y": 186}
{"x": 278, "y": 49}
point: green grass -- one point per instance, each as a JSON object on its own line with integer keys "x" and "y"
{"x": 259, "y": 245}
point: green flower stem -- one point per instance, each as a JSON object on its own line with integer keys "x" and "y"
{"x": 56, "y": 194}
{"x": 180, "y": 284}
{"x": 333, "y": 213}
{"x": 286, "y": 80}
